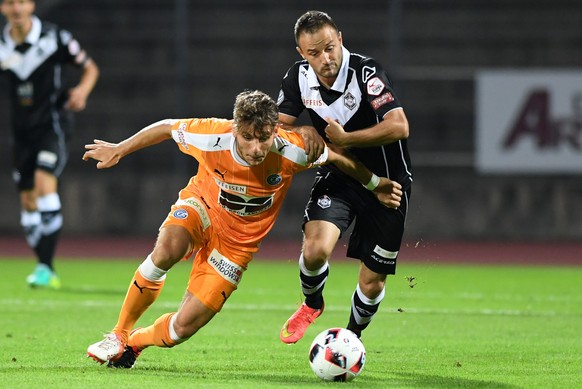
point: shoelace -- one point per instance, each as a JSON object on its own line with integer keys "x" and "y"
{"x": 109, "y": 342}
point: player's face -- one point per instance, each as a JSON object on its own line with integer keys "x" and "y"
{"x": 17, "y": 12}
{"x": 253, "y": 146}
{"x": 323, "y": 51}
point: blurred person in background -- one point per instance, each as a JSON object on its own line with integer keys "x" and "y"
{"x": 33, "y": 54}
{"x": 351, "y": 103}
{"x": 245, "y": 169}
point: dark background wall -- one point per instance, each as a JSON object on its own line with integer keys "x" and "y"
{"x": 162, "y": 58}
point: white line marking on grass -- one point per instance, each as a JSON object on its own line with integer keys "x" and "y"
{"x": 34, "y": 305}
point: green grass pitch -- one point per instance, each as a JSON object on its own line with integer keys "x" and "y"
{"x": 440, "y": 326}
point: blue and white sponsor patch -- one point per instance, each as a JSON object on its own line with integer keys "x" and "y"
{"x": 180, "y": 214}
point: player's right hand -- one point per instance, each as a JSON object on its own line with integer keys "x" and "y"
{"x": 388, "y": 192}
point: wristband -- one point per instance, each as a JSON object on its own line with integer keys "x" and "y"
{"x": 374, "y": 182}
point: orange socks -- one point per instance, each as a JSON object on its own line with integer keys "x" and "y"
{"x": 140, "y": 295}
{"x": 157, "y": 334}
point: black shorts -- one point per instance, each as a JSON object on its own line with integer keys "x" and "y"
{"x": 378, "y": 230}
{"x": 48, "y": 152}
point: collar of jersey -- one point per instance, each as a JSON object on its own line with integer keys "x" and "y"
{"x": 237, "y": 158}
{"x": 32, "y": 37}
{"x": 342, "y": 77}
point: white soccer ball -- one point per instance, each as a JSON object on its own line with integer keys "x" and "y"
{"x": 337, "y": 354}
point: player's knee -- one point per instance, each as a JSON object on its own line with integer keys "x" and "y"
{"x": 315, "y": 251}
{"x": 372, "y": 288}
{"x": 168, "y": 252}
{"x": 315, "y": 254}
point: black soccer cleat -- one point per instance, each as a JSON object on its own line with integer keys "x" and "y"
{"x": 127, "y": 359}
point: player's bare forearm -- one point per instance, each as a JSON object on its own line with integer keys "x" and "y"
{"x": 393, "y": 128}
{"x": 348, "y": 164}
{"x": 388, "y": 192}
{"x": 109, "y": 154}
{"x": 78, "y": 95}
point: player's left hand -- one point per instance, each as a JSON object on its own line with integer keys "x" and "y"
{"x": 336, "y": 133}
{"x": 106, "y": 154}
{"x": 388, "y": 192}
{"x": 314, "y": 144}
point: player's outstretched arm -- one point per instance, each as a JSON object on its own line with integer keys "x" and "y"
{"x": 109, "y": 154}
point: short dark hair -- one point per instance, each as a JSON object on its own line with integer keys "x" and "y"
{"x": 312, "y": 21}
{"x": 255, "y": 109}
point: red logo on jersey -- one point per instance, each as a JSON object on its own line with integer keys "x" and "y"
{"x": 384, "y": 99}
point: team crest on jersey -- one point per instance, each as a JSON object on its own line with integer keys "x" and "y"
{"x": 180, "y": 214}
{"x": 324, "y": 202}
{"x": 349, "y": 101}
{"x": 375, "y": 86}
{"x": 274, "y": 179}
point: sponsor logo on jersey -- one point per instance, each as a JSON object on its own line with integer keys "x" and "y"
{"x": 375, "y": 86}
{"x": 274, "y": 179}
{"x": 324, "y": 202}
{"x": 384, "y": 99}
{"x": 227, "y": 269}
{"x": 310, "y": 103}
{"x": 182, "y": 136}
{"x": 180, "y": 214}
{"x": 193, "y": 202}
{"x": 231, "y": 187}
{"x": 367, "y": 72}
{"x": 244, "y": 205}
{"x": 349, "y": 101}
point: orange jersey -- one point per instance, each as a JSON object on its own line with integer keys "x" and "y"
{"x": 242, "y": 201}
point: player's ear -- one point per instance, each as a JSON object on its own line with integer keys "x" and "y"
{"x": 339, "y": 37}
{"x": 299, "y": 51}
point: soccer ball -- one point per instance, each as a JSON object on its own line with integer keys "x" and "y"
{"x": 337, "y": 354}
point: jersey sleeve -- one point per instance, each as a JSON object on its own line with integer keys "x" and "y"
{"x": 289, "y": 99}
{"x": 195, "y": 136}
{"x": 377, "y": 87}
{"x": 70, "y": 50}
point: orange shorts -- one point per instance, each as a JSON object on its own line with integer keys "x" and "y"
{"x": 218, "y": 265}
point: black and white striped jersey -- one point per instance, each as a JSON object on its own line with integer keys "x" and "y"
{"x": 360, "y": 97}
{"x": 35, "y": 69}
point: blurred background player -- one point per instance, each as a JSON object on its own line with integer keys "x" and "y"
{"x": 351, "y": 103}
{"x": 245, "y": 168}
{"x": 33, "y": 53}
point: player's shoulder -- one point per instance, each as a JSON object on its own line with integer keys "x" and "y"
{"x": 360, "y": 61}
{"x": 208, "y": 125}
{"x": 290, "y": 146}
{"x": 48, "y": 27}
{"x": 367, "y": 69}
{"x": 297, "y": 68}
